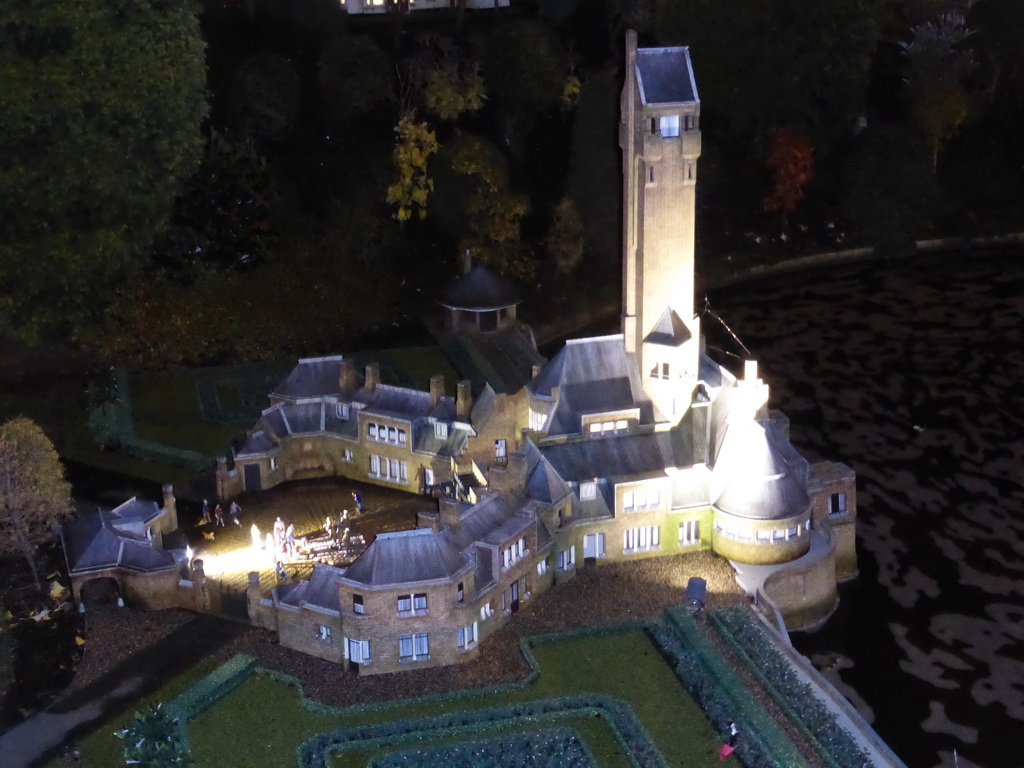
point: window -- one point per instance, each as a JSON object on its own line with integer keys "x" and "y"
{"x": 371, "y": 431}
{"x": 273, "y": 464}
{"x": 323, "y": 634}
{"x": 654, "y": 125}
{"x": 567, "y": 558}
{"x": 385, "y": 434}
{"x": 837, "y": 504}
{"x": 588, "y": 491}
{"x": 401, "y": 437}
{"x": 500, "y": 449}
{"x": 358, "y": 651}
{"x": 669, "y": 126}
{"x": 593, "y": 545}
{"x": 642, "y": 539}
{"x": 763, "y": 536}
{"x": 460, "y": 593}
{"x": 428, "y": 476}
{"x": 440, "y": 429}
{"x": 660, "y": 371}
{"x": 412, "y": 605}
{"x": 689, "y": 532}
{"x": 486, "y": 611}
{"x": 341, "y": 410}
{"x": 537, "y": 420}
{"x": 512, "y": 555}
{"x": 389, "y": 469}
{"x": 650, "y": 174}
{"x": 392, "y": 435}
{"x": 621, "y": 426}
{"x": 689, "y": 171}
{"x": 357, "y": 604}
{"x": 689, "y": 122}
{"x": 413, "y": 647}
{"x": 542, "y": 567}
{"x": 641, "y": 499}
{"x": 467, "y": 636}
{"x": 347, "y": 455}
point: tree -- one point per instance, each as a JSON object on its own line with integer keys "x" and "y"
{"x": 787, "y": 62}
{"x": 414, "y": 146}
{"x": 102, "y": 102}
{"x": 153, "y": 740}
{"x": 525, "y": 67}
{"x": 34, "y": 496}
{"x": 353, "y": 75}
{"x": 888, "y": 188}
{"x": 791, "y": 160}
{"x": 566, "y": 237}
{"x": 938, "y": 68}
{"x": 265, "y": 96}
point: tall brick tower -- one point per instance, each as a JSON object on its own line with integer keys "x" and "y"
{"x": 659, "y": 134}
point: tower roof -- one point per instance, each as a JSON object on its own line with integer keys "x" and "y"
{"x": 665, "y": 76}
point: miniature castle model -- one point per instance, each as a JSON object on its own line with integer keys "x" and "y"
{"x": 621, "y": 447}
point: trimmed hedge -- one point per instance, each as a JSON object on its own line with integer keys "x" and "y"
{"x": 556, "y": 748}
{"x": 212, "y": 688}
{"x": 722, "y": 695}
{"x": 631, "y": 735}
{"x": 796, "y": 698}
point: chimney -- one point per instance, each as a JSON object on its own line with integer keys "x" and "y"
{"x": 450, "y": 517}
{"x": 347, "y": 376}
{"x": 467, "y": 261}
{"x": 750, "y": 371}
{"x": 463, "y": 400}
{"x": 372, "y": 377}
{"x": 511, "y": 478}
{"x": 171, "y": 521}
{"x": 436, "y": 389}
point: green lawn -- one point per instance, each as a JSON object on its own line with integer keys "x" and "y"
{"x": 263, "y": 722}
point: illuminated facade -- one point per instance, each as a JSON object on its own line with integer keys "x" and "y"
{"x": 621, "y": 447}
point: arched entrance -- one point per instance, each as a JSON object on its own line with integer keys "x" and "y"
{"x": 103, "y": 590}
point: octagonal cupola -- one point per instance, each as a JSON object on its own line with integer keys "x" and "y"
{"x": 479, "y": 302}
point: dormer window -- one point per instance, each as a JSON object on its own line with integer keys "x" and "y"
{"x": 440, "y": 429}
{"x": 341, "y": 410}
{"x": 588, "y": 490}
{"x": 670, "y": 126}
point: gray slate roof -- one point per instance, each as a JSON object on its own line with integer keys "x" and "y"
{"x": 407, "y": 556}
{"x": 313, "y": 377}
{"x": 425, "y": 440}
{"x": 320, "y": 591}
{"x": 93, "y": 542}
{"x": 594, "y": 375}
{"x": 480, "y": 289}
{"x": 493, "y": 520}
{"x": 759, "y": 483}
{"x": 404, "y": 403}
{"x": 625, "y": 456}
{"x": 665, "y": 76}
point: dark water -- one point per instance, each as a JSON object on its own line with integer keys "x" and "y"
{"x": 913, "y": 374}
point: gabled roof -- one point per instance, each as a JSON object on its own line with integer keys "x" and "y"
{"x": 665, "y": 76}
{"x": 669, "y": 331}
{"x": 406, "y": 557}
{"x": 402, "y": 402}
{"x": 593, "y": 375}
{"x": 636, "y": 455}
{"x": 493, "y": 520}
{"x": 544, "y": 485}
{"x": 425, "y": 440}
{"x": 758, "y": 481}
{"x": 480, "y": 289}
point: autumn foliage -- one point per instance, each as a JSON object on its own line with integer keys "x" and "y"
{"x": 791, "y": 161}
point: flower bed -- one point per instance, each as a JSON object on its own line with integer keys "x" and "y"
{"x": 722, "y": 695}
{"x": 796, "y": 698}
{"x": 556, "y": 748}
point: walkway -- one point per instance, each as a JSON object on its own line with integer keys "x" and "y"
{"x": 41, "y": 736}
